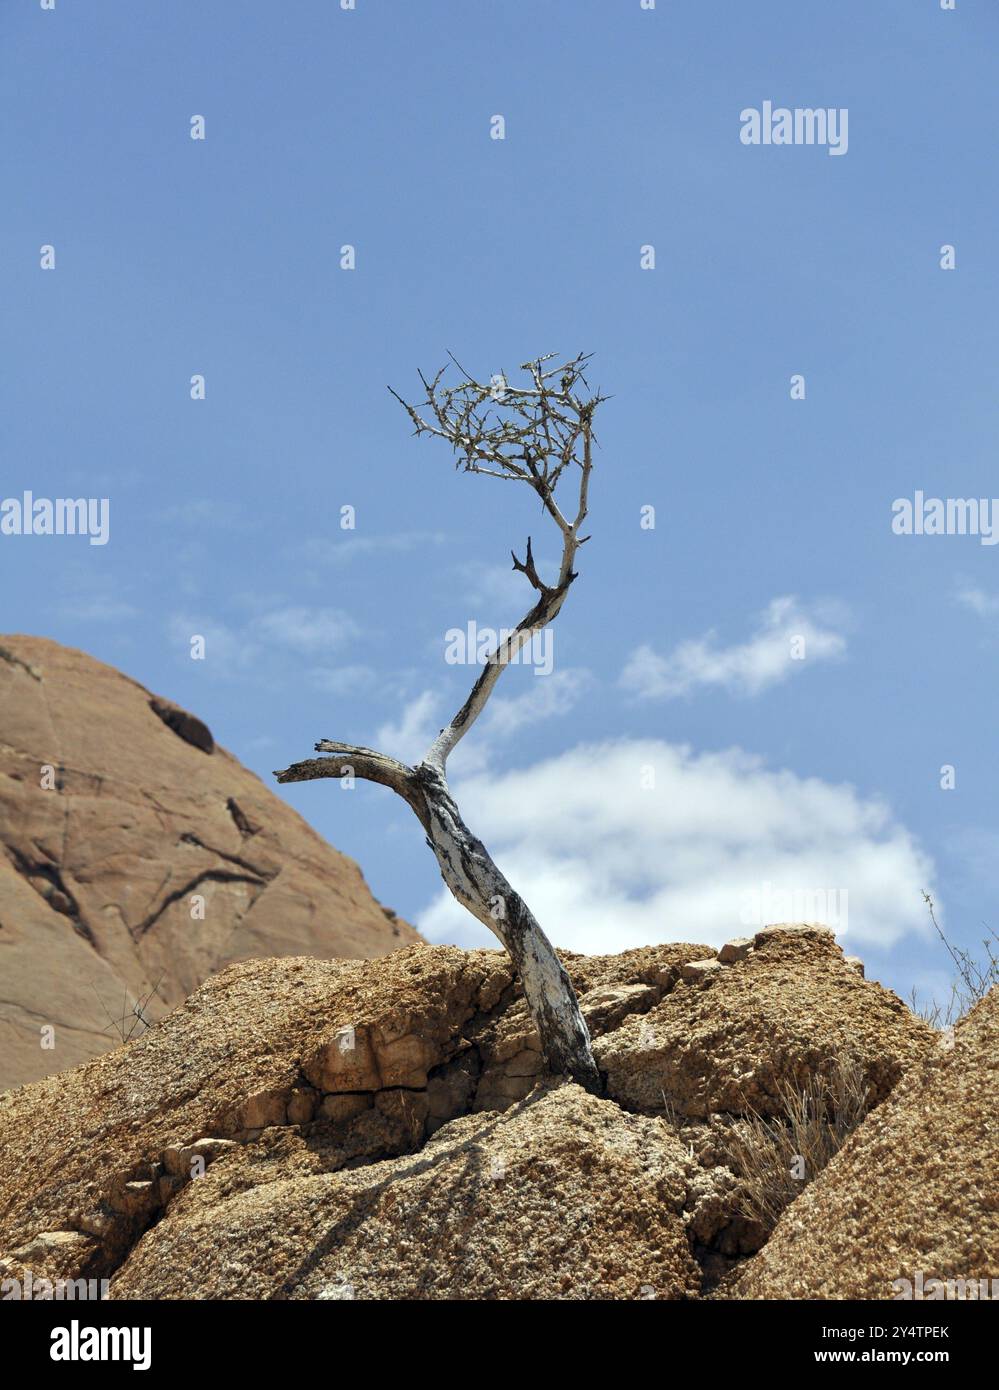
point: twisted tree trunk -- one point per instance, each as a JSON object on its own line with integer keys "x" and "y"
{"x": 476, "y": 882}
{"x": 471, "y": 875}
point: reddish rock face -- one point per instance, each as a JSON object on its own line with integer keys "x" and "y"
{"x": 138, "y": 858}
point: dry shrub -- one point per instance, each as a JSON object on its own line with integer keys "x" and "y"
{"x": 975, "y": 977}
{"x": 133, "y": 1016}
{"x": 776, "y": 1158}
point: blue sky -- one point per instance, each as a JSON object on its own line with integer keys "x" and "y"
{"x": 372, "y": 128}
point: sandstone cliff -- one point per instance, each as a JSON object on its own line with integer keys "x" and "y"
{"x": 117, "y": 811}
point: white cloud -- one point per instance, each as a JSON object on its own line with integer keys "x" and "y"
{"x": 607, "y": 864}
{"x": 985, "y": 605}
{"x": 227, "y": 651}
{"x": 228, "y": 515}
{"x": 547, "y": 697}
{"x": 410, "y": 737}
{"x": 249, "y": 648}
{"x": 99, "y": 608}
{"x": 349, "y": 546}
{"x": 746, "y": 668}
{"x": 96, "y": 598}
{"x": 498, "y": 591}
{"x": 342, "y": 680}
{"x": 307, "y": 630}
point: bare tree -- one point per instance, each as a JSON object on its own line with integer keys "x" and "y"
{"x": 533, "y": 434}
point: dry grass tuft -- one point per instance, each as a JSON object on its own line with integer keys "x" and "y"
{"x": 777, "y": 1158}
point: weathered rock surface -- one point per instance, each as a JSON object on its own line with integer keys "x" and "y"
{"x": 329, "y": 1129}
{"x": 226, "y": 1064}
{"x": 914, "y": 1192}
{"x": 731, "y": 1036}
{"x": 610, "y": 989}
{"x": 117, "y": 811}
{"x": 563, "y": 1196}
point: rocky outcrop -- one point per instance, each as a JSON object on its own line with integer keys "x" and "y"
{"x": 759, "y": 1017}
{"x": 371, "y": 1129}
{"x": 912, "y": 1197}
{"x": 561, "y": 1197}
{"x": 610, "y": 989}
{"x": 136, "y": 858}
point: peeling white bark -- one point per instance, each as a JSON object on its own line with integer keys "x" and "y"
{"x": 477, "y": 883}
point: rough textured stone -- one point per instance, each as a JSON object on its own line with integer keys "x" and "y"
{"x": 451, "y": 1089}
{"x": 610, "y": 988}
{"x": 97, "y": 872}
{"x": 789, "y": 1010}
{"x": 52, "y": 1245}
{"x": 914, "y": 1190}
{"x": 736, "y": 949}
{"x": 345, "y": 1107}
{"x": 696, "y": 971}
{"x": 562, "y": 1197}
{"x": 227, "y": 1064}
{"x": 108, "y": 1148}
{"x": 482, "y": 1179}
{"x": 391, "y": 1028}
{"x": 785, "y": 928}
{"x": 302, "y": 1105}
{"x": 658, "y": 966}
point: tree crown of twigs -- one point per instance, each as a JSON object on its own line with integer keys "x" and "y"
{"x": 528, "y": 433}
{"x": 531, "y": 434}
